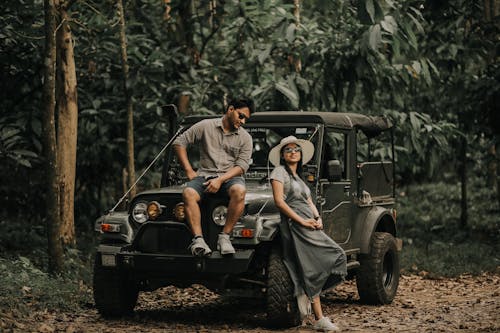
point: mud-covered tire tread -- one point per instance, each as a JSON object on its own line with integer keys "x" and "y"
{"x": 369, "y": 278}
{"x": 114, "y": 294}
{"x": 282, "y": 308}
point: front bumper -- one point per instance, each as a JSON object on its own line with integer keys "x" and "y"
{"x": 174, "y": 264}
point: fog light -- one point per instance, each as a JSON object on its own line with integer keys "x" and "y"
{"x": 154, "y": 210}
{"x": 179, "y": 212}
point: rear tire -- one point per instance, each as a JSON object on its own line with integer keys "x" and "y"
{"x": 378, "y": 275}
{"x": 114, "y": 293}
{"x": 282, "y": 308}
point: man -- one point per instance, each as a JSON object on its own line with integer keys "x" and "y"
{"x": 225, "y": 152}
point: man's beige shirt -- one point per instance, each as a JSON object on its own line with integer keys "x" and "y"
{"x": 219, "y": 151}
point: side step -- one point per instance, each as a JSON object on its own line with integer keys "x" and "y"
{"x": 352, "y": 254}
{"x": 353, "y": 265}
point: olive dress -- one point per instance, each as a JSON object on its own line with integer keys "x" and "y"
{"x": 315, "y": 262}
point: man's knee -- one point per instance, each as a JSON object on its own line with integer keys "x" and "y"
{"x": 189, "y": 195}
{"x": 237, "y": 192}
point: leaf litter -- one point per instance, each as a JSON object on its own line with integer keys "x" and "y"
{"x": 466, "y": 304}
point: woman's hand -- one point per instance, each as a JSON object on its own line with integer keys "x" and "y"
{"x": 312, "y": 224}
{"x": 319, "y": 223}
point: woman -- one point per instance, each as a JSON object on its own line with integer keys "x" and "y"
{"x": 315, "y": 262}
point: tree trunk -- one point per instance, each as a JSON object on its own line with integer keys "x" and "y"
{"x": 183, "y": 33}
{"x": 55, "y": 248}
{"x": 296, "y": 14}
{"x": 491, "y": 180}
{"x": 168, "y": 9}
{"x": 487, "y": 10}
{"x": 463, "y": 179}
{"x": 497, "y": 157}
{"x": 67, "y": 127}
{"x": 128, "y": 98}
{"x": 183, "y": 104}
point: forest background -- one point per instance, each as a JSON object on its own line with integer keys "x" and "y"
{"x": 84, "y": 83}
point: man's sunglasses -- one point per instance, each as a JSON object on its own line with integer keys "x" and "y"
{"x": 242, "y": 116}
{"x": 292, "y": 150}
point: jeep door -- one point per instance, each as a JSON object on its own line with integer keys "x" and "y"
{"x": 336, "y": 198}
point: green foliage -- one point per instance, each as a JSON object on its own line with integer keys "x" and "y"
{"x": 421, "y": 144}
{"x": 430, "y": 66}
{"x": 11, "y": 147}
{"x": 429, "y": 224}
{"x": 23, "y": 265}
{"x": 26, "y": 288}
{"x": 450, "y": 259}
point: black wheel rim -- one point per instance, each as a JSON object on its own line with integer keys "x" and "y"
{"x": 388, "y": 270}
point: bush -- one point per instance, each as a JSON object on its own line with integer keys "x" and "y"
{"x": 26, "y": 288}
{"x": 435, "y": 241}
{"x": 25, "y": 283}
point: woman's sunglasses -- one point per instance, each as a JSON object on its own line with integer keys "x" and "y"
{"x": 292, "y": 150}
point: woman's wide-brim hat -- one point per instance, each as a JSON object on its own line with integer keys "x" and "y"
{"x": 307, "y": 149}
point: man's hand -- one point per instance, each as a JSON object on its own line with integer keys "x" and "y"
{"x": 213, "y": 185}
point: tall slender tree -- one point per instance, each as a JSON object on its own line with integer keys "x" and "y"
{"x": 67, "y": 124}
{"x": 60, "y": 121}
{"x": 128, "y": 99}
{"x": 55, "y": 249}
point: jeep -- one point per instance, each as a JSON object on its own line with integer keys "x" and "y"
{"x": 351, "y": 178}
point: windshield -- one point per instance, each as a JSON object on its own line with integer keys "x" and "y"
{"x": 265, "y": 137}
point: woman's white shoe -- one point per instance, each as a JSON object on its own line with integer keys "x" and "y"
{"x": 324, "y": 324}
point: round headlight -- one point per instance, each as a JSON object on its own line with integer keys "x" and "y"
{"x": 154, "y": 210}
{"x": 140, "y": 212}
{"x": 219, "y": 215}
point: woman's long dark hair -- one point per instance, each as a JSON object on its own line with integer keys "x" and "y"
{"x": 287, "y": 168}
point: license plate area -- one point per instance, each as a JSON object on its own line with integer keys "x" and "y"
{"x": 108, "y": 260}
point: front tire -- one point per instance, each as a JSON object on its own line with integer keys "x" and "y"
{"x": 378, "y": 276}
{"x": 282, "y": 308}
{"x": 114, "y": 293}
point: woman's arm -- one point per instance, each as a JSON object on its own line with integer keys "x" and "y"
{"x": 286, "y": 210}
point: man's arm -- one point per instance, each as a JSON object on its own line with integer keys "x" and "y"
{"x": 181, "y": 152}
{"x": 190, "y": 136}
{"x": 243, "y": 160}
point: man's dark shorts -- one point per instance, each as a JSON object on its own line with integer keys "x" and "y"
{"x": 197, "y": 184}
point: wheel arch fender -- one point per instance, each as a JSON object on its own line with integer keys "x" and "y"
{"x": 126, "y": 233}
{"x": 378, "y": 219}
{"x": 270, "y": 229}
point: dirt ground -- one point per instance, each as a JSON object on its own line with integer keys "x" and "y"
{"x": 464, "y": 304}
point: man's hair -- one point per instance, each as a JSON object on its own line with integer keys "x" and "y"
{"x": 242, "y": 103}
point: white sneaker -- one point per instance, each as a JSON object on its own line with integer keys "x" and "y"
{"x": 224, "y": 244}
{"x": 199, "y": 248}
{"x": 324, "y": 324}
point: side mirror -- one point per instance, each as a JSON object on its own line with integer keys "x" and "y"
{"x": 334, "y": 171}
